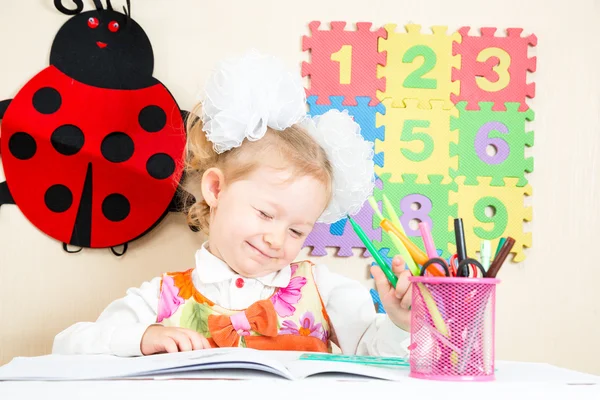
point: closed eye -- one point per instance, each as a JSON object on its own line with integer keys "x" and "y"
{"x": 265, "y": 215}
{"x": 297, "y": 233}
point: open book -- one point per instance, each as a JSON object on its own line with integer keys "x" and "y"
{"x": 232, "y": 363}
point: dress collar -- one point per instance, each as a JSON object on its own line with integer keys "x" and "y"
{"x": 210, "y": 269}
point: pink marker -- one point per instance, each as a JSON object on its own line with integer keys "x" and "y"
{"x": 427, "y": 240}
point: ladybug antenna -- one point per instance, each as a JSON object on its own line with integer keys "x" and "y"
{"x": 128, "y": 9}
{"x": 108, "y": 5}
{"x": 67, "y": 11}
{"x": 98, "y": 5}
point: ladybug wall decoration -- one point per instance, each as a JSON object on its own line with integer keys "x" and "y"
{"x": 92, "y": 146}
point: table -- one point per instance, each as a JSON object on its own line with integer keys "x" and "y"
{"x": 513, "y": 380}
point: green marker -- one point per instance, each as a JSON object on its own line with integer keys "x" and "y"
{"x": 500, "y": 244}
{"x": 382, "y": 264}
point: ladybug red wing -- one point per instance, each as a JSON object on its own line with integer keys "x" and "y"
{"x": 89, "y": 166}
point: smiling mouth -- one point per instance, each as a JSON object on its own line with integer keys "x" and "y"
{"x": 259, "y": 251}
{"x": 101, "y": 44}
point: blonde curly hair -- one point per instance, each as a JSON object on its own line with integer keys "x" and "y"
{"x": 292, "y": 147}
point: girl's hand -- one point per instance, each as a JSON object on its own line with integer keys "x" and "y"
{"x": 396, "y": 301}
{"x": 160, "y": 339}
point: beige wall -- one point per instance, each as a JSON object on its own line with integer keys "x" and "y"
{"x": 548, "y": 306}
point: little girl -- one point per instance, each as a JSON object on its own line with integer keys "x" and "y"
{"x": 263, "y": 173}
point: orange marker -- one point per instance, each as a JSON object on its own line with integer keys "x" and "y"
{"x": 417, "y": 254}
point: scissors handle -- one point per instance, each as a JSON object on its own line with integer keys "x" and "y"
{"x": 453, "y": 264}
{"x": 463, "y": 267}
{"x": 437, "y": 261}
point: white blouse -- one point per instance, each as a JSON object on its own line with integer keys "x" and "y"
{"x": 119, "y": 329}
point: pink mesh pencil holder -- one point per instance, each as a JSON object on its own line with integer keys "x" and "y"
{"x": 452, "y": 328}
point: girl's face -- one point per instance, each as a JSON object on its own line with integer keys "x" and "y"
{"x": 259, "y": 224}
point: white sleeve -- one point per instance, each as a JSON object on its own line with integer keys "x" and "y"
{"x": 118, "y": 330}
{"x": 357, "y": 327}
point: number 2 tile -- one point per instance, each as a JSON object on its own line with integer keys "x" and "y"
{"x": 418, "y": 65}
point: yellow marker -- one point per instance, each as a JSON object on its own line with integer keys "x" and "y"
{"x": 402, "y": 250}
{"x": 396, "y": 227}
{"x": 438, "y": 321}
{"x": 436, "y": 316}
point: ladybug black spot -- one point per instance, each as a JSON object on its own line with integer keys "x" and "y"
{"x": 22, "y": 146}
{"x": 117, "y": 147}
{"x": 58, "y": 198}
{"x": 67, "y": 139}
{"x": 160, "y": 166}
{"x": 47, "y": 100}
{"x": 115, "y": 207}
{"x": 152, "y": 119}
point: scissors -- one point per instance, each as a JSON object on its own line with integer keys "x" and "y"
{"x": 454, "y": 264}
{"x": 465, "y": 267}
{"x": 469, "y": 265}
{"x": 436, "y": 261}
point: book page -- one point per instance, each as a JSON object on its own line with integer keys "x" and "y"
{"x": 87, "y": 367}
{"x": 286, "y": 364}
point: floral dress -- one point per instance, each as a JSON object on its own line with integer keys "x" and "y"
{"x": 292, "y": 318}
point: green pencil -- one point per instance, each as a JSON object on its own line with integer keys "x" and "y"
{"x": 378, "y": 259}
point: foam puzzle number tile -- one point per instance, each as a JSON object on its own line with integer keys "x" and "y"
{"x": 433, "y": 205}
{"x": 322, "y": 235}
{"x": 504, "y": 131}
{"x": 416, "y": 141}
{"x": 507, "y": 201}
{"x": 447, "y": 115}
{"x": 494, "y": 68}
{"x": 343, "y": 62}
{"x": 419, "y": 65}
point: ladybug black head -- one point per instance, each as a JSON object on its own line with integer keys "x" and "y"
{"x": 103, "y": 47}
